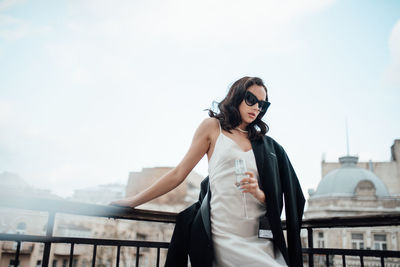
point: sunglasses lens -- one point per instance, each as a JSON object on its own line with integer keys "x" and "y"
{"x": 263, "y": 106}
{"x": 250, "y": 99}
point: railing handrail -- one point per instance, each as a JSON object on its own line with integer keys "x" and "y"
{"x": 82, "y": 240}
{"x": 85, "y": 209}
{"x": 389, "y": 219}
{"x": 78, "y": 208}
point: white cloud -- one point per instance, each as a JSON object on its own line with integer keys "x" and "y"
{"x": 102, "y": 40}
{"x": 204, "y": 23}
{"x": 393, "y": 71}
{"x": 6, "y": 109}
{"x": 12, "y": 28}
{"x": 5, "y": 4}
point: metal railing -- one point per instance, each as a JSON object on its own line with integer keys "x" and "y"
{"x": 349, "y": 222}
{"x": 68, "y": 207}
{"x": 61, "y": 206}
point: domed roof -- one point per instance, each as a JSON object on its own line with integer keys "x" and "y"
{"x": 344, "y": 180}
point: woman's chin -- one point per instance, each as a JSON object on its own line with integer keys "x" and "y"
{"x": 248, "y": 121}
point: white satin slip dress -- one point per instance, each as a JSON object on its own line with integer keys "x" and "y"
{"x": 235, "y": 237}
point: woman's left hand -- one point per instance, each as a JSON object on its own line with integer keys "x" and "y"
{"x": 250, "y": 185}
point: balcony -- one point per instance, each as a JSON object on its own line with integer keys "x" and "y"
{"x": 149, "y": 253}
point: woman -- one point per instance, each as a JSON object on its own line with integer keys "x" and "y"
{"x": 239, "y": 236}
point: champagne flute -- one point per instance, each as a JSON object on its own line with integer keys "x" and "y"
{"x": 240, "y": 172}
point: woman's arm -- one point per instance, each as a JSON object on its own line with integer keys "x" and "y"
{"x": 200, "y": 145}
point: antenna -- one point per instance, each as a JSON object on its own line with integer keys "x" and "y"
{"x": 347, "y": 138}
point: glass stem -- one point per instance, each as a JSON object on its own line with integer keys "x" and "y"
{"x": 245, "y": 205}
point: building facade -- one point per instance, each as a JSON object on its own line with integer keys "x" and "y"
{"x": 34, "y": 223}
{"x": 352, "y": 188}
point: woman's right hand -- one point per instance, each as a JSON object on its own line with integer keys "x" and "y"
{"x": 127, "y": 202}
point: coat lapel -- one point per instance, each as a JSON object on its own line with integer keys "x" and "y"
{"x": 266, "y": 171}
{"x": 267, "y": 166}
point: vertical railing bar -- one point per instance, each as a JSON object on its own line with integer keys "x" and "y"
{"x": 16, "y": 260}
{"x": 311, "y": 246}
{"x": 71, "y": 254}
{"x": 137, "y": 256}
{"x": 94, "y": 255}
{"x": 49, "y": 233}
{"x": 118, "y": 252}
{"x": 362, "y": 260}
{"x": 382, "y": 261}
{"x": 327, "y": 260}
{"x": 344, "y": 260}
{"x": 158, "y": 257}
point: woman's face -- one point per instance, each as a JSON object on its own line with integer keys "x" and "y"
{"x": 250, "y": 113}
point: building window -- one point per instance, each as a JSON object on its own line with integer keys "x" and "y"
{"x": 380, "y": 242}
{"x": 65, "y": 263}
{"x": 320, "y": 240}
{"x": 54, "y": 263}
{"x": 365, "y": 189}
{"x": 15, "y": 245}
{"x": 38, "y": 263}
{"x": 144, "y": 260}
{"x": 357, "y": 241}
{"x": 140, "y": 236}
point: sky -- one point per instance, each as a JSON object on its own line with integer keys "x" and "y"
{"x": 93, "y": 90}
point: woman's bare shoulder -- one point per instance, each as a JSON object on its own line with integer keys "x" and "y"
{"x": 209, "y": 126}
{"x": 210, "y": 122}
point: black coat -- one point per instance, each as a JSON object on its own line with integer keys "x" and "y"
{"x": 278, "y": 180}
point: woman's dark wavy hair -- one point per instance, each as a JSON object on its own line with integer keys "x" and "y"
{"x": 229, "y": 116}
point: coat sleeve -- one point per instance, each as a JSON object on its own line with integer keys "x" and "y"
{"x": 294, "y": 207}
{"x": 178, "y": 249}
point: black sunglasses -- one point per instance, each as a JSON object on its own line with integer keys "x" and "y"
{"x": 251, "y": 100}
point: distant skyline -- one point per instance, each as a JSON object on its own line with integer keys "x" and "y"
{"x": 92, "y": 90}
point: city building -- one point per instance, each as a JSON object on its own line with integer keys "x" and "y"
{"x": 352, "y": 188}
{"x": 100, "y": 194}
{"x": 176, "y": 200}
{"x": 14, "y": 221}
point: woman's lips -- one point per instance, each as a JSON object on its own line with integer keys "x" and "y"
{"x": 252, "y": 115}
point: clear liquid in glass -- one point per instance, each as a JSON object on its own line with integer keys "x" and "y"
{"x": 240, "y": 172}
